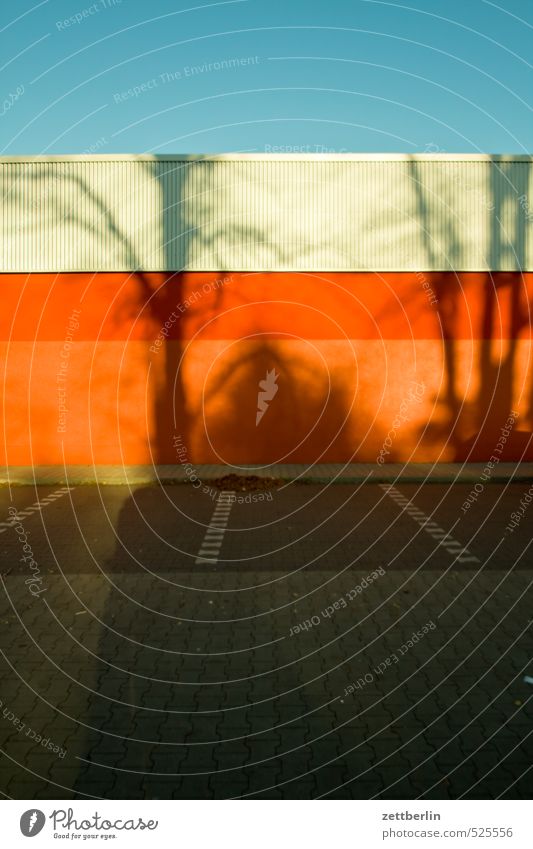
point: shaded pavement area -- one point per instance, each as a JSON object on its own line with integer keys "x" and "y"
{"x": 335, "y": 647}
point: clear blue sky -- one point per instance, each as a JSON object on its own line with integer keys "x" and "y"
{"x": 352, "y": 75}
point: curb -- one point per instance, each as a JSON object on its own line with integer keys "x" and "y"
{"x": 326, "y": 473}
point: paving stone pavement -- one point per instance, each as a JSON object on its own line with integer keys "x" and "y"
{"x": 334, "y": 650}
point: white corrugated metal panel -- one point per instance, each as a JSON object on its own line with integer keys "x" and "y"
{"x": 267, "y": 213}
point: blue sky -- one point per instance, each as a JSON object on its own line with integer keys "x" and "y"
{"x": 120, "y": 76}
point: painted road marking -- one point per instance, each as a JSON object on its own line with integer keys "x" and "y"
{"x": 214, "y": 535}
{"x": 444, "y": 538}
{"x": 35, "y": 508}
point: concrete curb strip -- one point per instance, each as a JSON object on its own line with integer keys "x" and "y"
{"x": 320, "y": 473}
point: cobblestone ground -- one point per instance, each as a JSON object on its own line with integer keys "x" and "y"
{"x": 287, "y": 668}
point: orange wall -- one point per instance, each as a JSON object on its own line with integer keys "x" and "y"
{"x": 427, "y": 366}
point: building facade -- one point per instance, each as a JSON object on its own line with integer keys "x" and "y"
{"x": 274, "y": 308}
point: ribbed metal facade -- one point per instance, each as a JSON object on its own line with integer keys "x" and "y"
{"x": 267, "y": 213}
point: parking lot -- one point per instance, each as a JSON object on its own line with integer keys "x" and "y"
{"x": 297, "y": 641}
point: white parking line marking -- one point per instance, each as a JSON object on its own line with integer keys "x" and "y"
{"x": 214, "y": 534}
{"x": 35, "y": 508}
{"x": 444, "y": 538}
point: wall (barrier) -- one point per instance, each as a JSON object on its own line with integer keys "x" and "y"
{"x": 259, "y": 309}
{"x": 116, "y": 368}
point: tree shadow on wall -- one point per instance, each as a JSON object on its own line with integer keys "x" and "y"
{"x": 143, "y": 303}
{"x": 223, "y": 371}
{"x": 481, "y": 325}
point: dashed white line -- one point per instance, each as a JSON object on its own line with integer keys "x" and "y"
{"x": 214, "y": 535}
{"x": 444, "y": 538}
{"x": 35, "y": 508}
